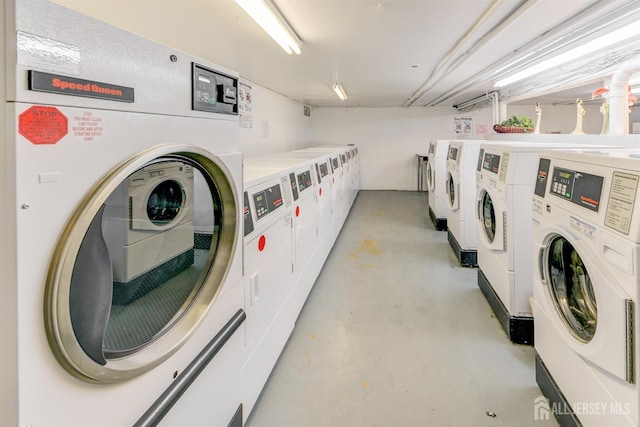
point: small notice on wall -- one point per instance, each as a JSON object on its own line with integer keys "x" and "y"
{"x": 621, "y": 201}
{"x": 462, "y": 127}
{"x": 245, "y": 107}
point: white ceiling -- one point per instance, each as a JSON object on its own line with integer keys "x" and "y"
{"x": 386, "y": 53}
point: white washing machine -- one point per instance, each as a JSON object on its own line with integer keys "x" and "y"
{"x": 339, "y": 192}
{"x": 505, "y": 181}
{"x": 436, "y": 177}
{"x": 460, "y": 190}
{"x": 586, "y": 258}
{"x": 303, "y": 187}
{"x": 83, "y": 123}
{"x": 323, "y": 195}
{"x": 269, "y": 275}
{"x": 339, "y": 181}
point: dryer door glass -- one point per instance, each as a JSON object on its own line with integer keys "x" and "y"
{"x": 488, "y": 217}
{"x": 571, "y": 288}
{"x": 135, "y": 294}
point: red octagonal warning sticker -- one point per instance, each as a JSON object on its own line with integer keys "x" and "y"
{"x": 42, "y": 125}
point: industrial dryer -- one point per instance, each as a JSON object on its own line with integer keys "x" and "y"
{"x": 97, "y": 161}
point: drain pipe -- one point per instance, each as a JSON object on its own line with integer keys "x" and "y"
{"x": 619, "y": 97}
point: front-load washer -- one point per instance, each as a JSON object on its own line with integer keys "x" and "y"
{"x": 586, "y": 246}
{"x": 436, "y": 177}
{"x": 460, "y": 190}
{"x": 504, "y": 187}
{"x": 82, "y": 120}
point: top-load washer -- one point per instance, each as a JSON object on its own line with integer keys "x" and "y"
{"x": 88, "y": 140}
{"x": 303, "y": 188}
{"x": 586, "y": 246}
{"x": 269, "y": 276}
{"x": 436, "y": 177}
{"x": 460, "y": 190}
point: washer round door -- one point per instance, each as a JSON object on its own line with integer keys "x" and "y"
{"x": 487, "y": 216}
{"x": 450, "y": 187}
{"x": 431, "y": 179}
{"x": 119, "y": 301}
{"x": 571, "y": 289}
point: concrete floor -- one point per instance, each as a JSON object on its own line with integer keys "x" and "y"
{"x": 396, "y": 333}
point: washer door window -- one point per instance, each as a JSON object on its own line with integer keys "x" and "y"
{"x": 487, "y": 216}
{"x": 451, "y": 191}
{"x": 130, "y": 281}
{"x": 430, "y": 177}
{"x": 571, "y": 289}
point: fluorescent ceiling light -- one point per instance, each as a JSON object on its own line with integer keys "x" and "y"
{"x": 609, "y": 39}
{"x": 337, "y": 87}
{"x": 267, "y": 16}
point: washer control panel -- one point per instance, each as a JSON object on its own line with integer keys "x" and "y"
{"x": 581, "y": 188}
{"x": 267, "y": 200}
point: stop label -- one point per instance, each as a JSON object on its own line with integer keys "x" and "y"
{"x": 42, "y": 125}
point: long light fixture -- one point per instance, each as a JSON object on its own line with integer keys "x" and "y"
{"x": 337, "y": 87}
{"x": 592, "y": 46}
{"x": 274, "y": 24}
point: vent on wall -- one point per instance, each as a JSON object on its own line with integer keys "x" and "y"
{"x": 307, "y": 111}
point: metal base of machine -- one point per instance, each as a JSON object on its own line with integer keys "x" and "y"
{"x": 557, "y": 404}
{"x": 467, "y": 257}
{"x": 439, "y": 223}
{"x": 124, "y": 293}
{"x": 519, "y": 329}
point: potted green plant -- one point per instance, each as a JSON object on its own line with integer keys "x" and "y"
{"x": 515, "y": 124}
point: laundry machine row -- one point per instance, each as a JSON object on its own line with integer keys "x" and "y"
{"x": 505, "y": 179}
{"x": 291, "y": 200}
{"x": 121, "y": 234}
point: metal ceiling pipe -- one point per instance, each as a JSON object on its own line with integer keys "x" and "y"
{"x": 619, "y": 97}
{"x": 487, "y": 13}
{"x": 585, "y": 14}
{"x": 486, "y": 38}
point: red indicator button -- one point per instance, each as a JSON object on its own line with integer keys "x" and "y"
{"x": 262, "y": 241}
{"x": 297, "y": 210}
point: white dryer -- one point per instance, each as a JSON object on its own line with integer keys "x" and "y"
{"x": 460, "y": 190}
{"x": 436, "y": 177}
{"x": 586, "y": 257}
{"x": 84, "y": 124}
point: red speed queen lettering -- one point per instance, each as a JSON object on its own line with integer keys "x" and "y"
{"x": 42, "y": 125}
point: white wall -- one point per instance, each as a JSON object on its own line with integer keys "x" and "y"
{"x": 388, "y": 139}
{"x": 278, "y": 123}
{"x": 561, "y": 118}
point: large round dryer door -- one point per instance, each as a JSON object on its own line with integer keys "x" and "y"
{"x": 571, "y": 289}
{"x": 121, "y": 299}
